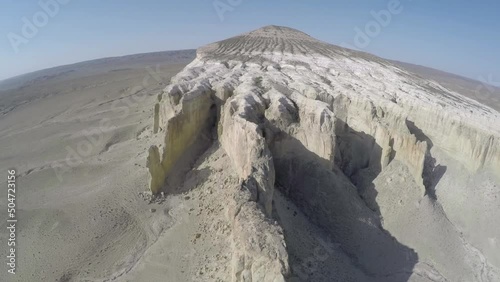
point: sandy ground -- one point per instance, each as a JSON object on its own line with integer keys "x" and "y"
{"x": 197, "y": 246}
{"x": 85, "y": 219}
{"x": 82, "y": 202}
{"x": 78, "y": 138}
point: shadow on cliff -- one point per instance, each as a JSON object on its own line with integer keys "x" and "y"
{"x": 198, "y": 151}
{"x": 432, "y": 173}
{"x": 176, "y": 182}
{"x": 331, "y": 201}
{"x": 359, "y": 158}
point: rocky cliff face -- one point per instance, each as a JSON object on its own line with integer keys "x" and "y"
{"x": 323, "y": 125}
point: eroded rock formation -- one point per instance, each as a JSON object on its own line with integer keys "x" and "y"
{"x": 324, "y": 124}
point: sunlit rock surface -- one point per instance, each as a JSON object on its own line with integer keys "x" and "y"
{"x": 401, "y": 173}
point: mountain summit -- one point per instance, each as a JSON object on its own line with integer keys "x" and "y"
{"x": 378, "y": 161}
{"x": 274, "y": 31}
{"x": 268, "y": 39}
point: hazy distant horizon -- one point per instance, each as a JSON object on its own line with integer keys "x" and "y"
{"x": 89, "y": 60}
{"x": 102, "y": 58}
{"x": 456, "y": 37}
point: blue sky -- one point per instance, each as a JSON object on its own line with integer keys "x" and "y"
{"x": 457, "y": 36}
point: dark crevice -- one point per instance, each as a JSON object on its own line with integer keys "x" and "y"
{"x": 432, "y": 172}
{"x": 332, "y": 203}
{"x": 359, "y": 158}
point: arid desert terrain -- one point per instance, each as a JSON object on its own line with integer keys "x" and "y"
{"x": 269, "y": 156}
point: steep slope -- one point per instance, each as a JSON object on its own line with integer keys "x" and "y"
{"x": 377, "y": 158}
{"x": 481, "y": 91}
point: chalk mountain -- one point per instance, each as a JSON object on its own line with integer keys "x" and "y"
{"x": 337, "y": 165}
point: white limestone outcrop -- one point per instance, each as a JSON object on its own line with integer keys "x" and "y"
{"x": 285, "y": 103}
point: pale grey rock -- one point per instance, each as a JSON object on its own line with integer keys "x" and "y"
{"x": 242, "y": 137}
{"x": 340, "y": 132}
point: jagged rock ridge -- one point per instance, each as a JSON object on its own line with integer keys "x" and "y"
{"x": 326, "y": 125}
